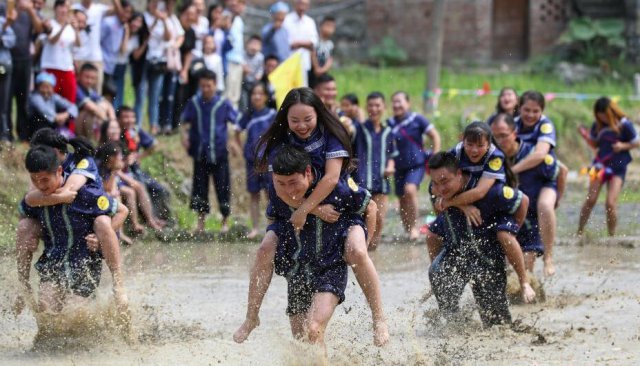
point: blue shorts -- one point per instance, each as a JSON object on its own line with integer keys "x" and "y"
{"x": 256, "y": 181}
{"x": 529, "y": 235}
{"x": 81, "y": 276}
{"x": 408, "y": 176}
{"x": 300, "y": 290}
{"x": 620, "y": 171}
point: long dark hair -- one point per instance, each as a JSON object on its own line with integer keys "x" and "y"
{"x": 480, "y": 131}
{"x": 276, "y": 135}
{"x": 499, "y": 108}
{"x": 82, "y": 148}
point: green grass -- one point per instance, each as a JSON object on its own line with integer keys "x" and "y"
{"x": 456, "y": 112}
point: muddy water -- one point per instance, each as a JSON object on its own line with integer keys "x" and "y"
{"x": 187, "y": 299}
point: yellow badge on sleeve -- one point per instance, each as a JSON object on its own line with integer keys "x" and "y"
{"x": 508, "y": 192}
{"x": 495, "y": 164}
{"x": 352, "y": 184}
{"x": 83, "y": 164}
{"x": 546, "y": 128}
{"x": 549, "y": 159}
{"x": 103, "y": 203}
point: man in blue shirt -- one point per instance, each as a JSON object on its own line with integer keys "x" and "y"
{"x": 275, "y": 38}
{"x": 204, "y": 135}
{"x": 462, "y": 253}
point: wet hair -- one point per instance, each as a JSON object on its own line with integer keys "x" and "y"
{"x": 532, "y": 95}
{"x": 506, "y": 118}
{"x": 41, "y": 158}
{"x": 613, "y": 112}
{"x": 352, "y": 98}
{"x": 106, "y": 151}
{"x": 401, "y": 92}
{"x": 476, "y": 132}
{"x": 290, "y": 160}
{"x": 82, "y": 148}
{"x": 323, "y": 79}
{"x": 277, "y": 133}
{"x": 444, "y": 159}
{"x": 88, "y": 67}
{"x": 207, "y": 75}
{"x": 124, "y": 109}
{"x": 499, "y": 108}
{"x": 375, "y": 95}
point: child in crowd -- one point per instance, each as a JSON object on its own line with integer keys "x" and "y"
{"x": 375, "y": 150}
{"x": 256, "y": 121}
{"x": 213, "y": 61}
{"x": 409, "y": 129}
{"x": 93, "y": 109}
{"x": 253, "y": 70}
{"x": 538, "y": 130}
{"x": 350, "y": 106}
{"x": 461, "y": 253}
{"x": 139, "y": 145}
{"x": 70, "y": 269}
{"x": 613, "y": 136}
{"x": 549, "y": 173}
{"x": 204, "y": 136}
{"x": 47, "y": 109}
{"x": 303, "y": 121}
{"x": 321, "y": 56}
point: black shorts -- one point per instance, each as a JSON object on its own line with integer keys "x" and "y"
{"x": 300, "y": 289}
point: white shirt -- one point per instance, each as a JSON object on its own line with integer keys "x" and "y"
{"x": 213, "y": 62}
{"x": 59, "y": 55}
{"x": 91, "y": 50}
{"x": 132, "y": 45}
{"x": 156, "y": 46}
{"x": 201, "y": 29}
{"x": 301, "y": 29}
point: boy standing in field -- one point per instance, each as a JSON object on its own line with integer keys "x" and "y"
{"x": 204, "y": 136}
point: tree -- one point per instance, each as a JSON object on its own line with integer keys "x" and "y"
{"x": 434, "y": 55}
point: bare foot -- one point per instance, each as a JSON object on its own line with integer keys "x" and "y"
{"x": 125, "y": 239}
{"x": 245, "y": 329}
{"x": 380, "y": 333}
{"x": 549, "y": 268}
{"x": 414, "y": 234}
{"x": 252, "y": 234}
{"x": 225, "y": 229}
{"x": 137, "y": 228}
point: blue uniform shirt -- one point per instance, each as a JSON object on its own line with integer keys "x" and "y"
{"x": 607, "y": 137}
{"x": 208, "y": 132}
{"x": 86, "y": 167}
{"x": 497, "y": 209}
{"x": 319, "y": 245}
{"x": 321, "y": 146}
{"x": 408, "y": 132}
{"x": 255, "y": 123}
{"x": 490, "y": 166}
{"x": 532, "y": 181}
{"x": 373, "y": 150}
{"x": 543, "y": 130}
{"x": 65, "y": 226}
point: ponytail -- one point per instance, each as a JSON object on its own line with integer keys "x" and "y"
{"x": 82, "y": 148}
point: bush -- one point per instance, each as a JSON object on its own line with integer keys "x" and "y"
{"x": 388, "y": 53}
{"x": 594, "y": 41}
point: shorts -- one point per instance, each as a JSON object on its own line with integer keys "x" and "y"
{"x": 256, "y": 181}
{"x": 81, "y": 276}
{"x": 620, "y": 171}
{"x": 408, "y": 176}
{"x": 300, "y": 290}
{"x": 529, "y": 236}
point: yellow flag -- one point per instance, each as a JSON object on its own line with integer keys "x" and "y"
{"x": 287, "y": 76}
